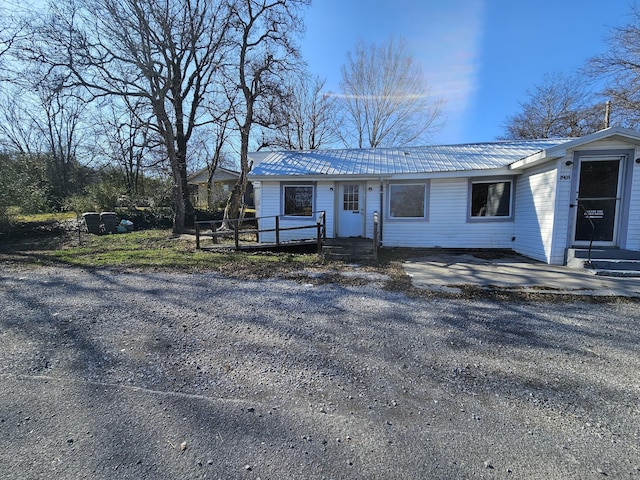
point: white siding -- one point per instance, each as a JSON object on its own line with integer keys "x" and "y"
{"x": 565, "y": 196}
{"x": 372, "y": 205}
{"x": 542, "y": 218}
{"x": 606, "y": 144}
{"x": 271, "y": 206}
{"x": 535, "y": 200}
{"x": 563, "y": 212}
{"x": 633, "y": 229}
{"x": 447, "y": 224}
{"x": 325, "y": 200}
{"x": 564, "y": 230}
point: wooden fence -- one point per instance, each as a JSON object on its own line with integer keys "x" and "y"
{"x": 243, "y": 229}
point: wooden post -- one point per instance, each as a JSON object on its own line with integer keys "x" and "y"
{"x": 236, "y": 234}
{"x": 319, "y": 234}
{"x": 278, "y": 230}
{"x": 197, "y": 236}
{"x": 375, "y": 235}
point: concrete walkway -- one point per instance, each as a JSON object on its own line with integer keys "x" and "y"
{"x": 448, "y": 272}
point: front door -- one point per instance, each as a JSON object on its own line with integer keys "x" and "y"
{"x": 598, "y": 202}
{"x": 351, "y": 210}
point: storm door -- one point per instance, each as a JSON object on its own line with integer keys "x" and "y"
{"x": 598, "y": 202}
{"x": 351, "y": 210}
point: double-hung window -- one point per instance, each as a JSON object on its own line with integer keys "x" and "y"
{"x": 491, "y": 199}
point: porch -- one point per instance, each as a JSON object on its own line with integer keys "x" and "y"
{"x": 350, "y": 249}
{"x": 610, "y": 262}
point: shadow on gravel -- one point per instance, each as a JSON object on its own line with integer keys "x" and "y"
{"x": 290, "y": 370}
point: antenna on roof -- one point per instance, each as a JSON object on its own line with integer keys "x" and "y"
{"x": 607, "y": 114}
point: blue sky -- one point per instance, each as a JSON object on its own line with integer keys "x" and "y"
{"x": 481, "y": 56}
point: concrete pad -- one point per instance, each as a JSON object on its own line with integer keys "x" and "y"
{"x": 448, "y": 272}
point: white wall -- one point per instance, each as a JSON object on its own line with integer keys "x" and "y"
{"x": 447, "y": 225}
{"x": 270, "y": 206}
{"x": 542, "y": 216}
{"x": 566, "y": 216}
{"x": 372, "y": 205}
{"x": 565, "y": 196}
{"x": 633, "y": 229}
{"x": 535, "y": 212}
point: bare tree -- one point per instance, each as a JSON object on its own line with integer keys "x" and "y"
{"x": 61, "y": 129}
{"x": 619, "y": 67}
{"x": 559, "y": 107}
{"x": 19, "y": 121}
{"x": 12, "y": 31}
{"x": 265, "y": 31}
{"x": 308, "y": 117}
{"x": 128, "y": 140}
{"x": 48, "y": 124}
{"x": 385, "y": 99}
{"x": 166, "y": 53}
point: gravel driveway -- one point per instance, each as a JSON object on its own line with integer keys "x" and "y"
{"x": 186, "y": 376}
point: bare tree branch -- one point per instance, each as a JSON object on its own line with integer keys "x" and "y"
{"x": 619, "y": 67}
{"x": 164, "y": 52}
{"x": 267, "y": 54}
{"x": 306, "y": 118}
{"x": 559, "y": 107}
{"x": 385, "y": 98}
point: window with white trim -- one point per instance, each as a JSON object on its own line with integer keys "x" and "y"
{"x": 491, "y": 199}
{"x": 297, "y": 200}
{"x": 407, "y": 200}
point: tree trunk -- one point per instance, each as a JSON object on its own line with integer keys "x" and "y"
{"x": 232, "y": 209}
{"x": 184, "y": 211}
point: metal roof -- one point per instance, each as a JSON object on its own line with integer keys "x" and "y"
{"x": 381, "y": 161}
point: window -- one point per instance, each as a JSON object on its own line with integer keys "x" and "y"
{"x": 298, "y": 200}
{"x": 491, "y": 199}
{"x": 407, "y": 200}
{"x": 351, "y": 198}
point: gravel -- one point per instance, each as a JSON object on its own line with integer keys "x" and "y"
{"x": 157, "y": 375}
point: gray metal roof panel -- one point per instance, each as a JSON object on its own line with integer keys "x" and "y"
{"x": 381, "y": 161}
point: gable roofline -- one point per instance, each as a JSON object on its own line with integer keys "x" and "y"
{"x": 559, "y": 151}
{"x": 227, "y": 172}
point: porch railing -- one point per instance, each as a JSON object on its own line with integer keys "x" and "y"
{"x": 241, "y": 230}
{"x": 593, "y": 231}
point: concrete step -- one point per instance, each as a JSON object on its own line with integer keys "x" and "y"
{"x": 611, "y": 262}
{"x": 348, "y": 249}
{"x": 617, "y": 273}
{"x": 347, "y": 254}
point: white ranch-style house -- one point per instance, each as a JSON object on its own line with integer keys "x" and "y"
{"x": 539, "y": 198}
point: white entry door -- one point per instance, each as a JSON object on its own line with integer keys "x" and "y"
{"x": 351, "y": 210}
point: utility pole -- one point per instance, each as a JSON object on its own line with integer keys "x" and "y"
{"x": 607, "y": 114}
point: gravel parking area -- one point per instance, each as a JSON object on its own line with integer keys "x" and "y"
{"x": 165, "y": 376}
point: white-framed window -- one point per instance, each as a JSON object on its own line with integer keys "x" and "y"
{"x": 407, "y": 200}
{"x": 297, "y": 200}
{"x": 490, "y": 199}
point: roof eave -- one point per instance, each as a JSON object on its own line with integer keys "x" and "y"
{"x": 501, "y": 170}
{"x": 538, "y": 158}
{"x": 559, "y": 151}
{"x": 316, "y": 177}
